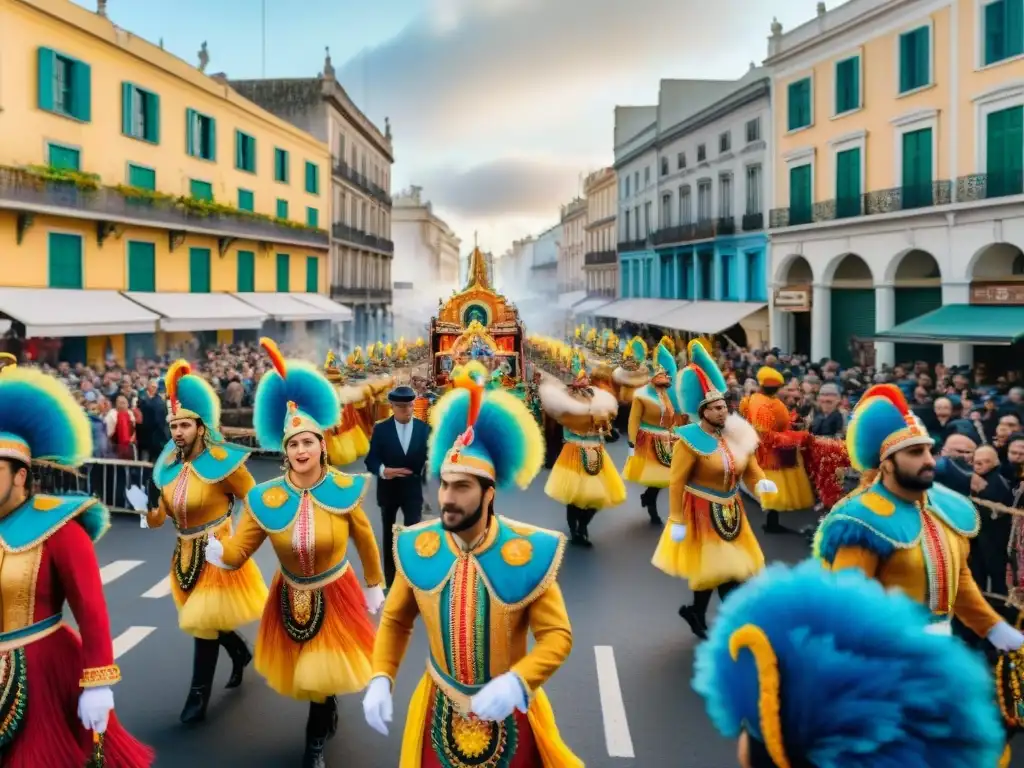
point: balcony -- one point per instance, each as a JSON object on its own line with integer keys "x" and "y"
{"x": 909, "y": 198}
{"x": 350, "y": 174}
{"x": 989, "y": 186}
{"x": 600, "y": 258}
{"x": 81, "y": 196}
{"x": 361, "y": 239}
{"x": 685, "y": 233}
{"x": 347, "y": 294}
{"x": 753, "y": 222}
{"x": 726, "y": 225}
{"x": 632, "y": 245}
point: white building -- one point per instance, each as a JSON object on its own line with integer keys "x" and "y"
{"x": 426, "y": 262}
{"x": 572, "y": 244}
{"x": 512, "y": 270}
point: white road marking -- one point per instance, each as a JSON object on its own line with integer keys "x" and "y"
{"x": 117, "y": 569}
{"x": 613, "y": 710}
{"x": 161, "y": 589}
{"x": 130, "y": 638}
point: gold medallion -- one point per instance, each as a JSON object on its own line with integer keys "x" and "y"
{"x": 427, "y": 544}
{"x": 274, "y": 497}
{"x": 517, "y": 552}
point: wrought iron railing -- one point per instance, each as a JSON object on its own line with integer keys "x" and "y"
{"x": 753, "y": 222}
{"x": 345, "y": 171}
{"x": 350, "y": 293}
{"x": 597, "y": 258}
{"x": 906, "y": 198}
{"x": 358, "y": 237}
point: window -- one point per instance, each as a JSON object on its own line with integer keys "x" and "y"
{"x": 666, "y": 211}
{"x": 706, "y": 266}
{"x": 200, "y": 135}
{"x": 282, "y": 209}
{"x": 63, "y": 158}
{"x": 917, "y": 169}
{"x": 313, "y": 274}
{"x": 246, "y": 200}
{"x": 245, "y": 152}
{"x": 915, "y": 59}
{"x": 284, "y": 269}
{"x": 702, "y": 153}
{"x": 703, "y": 201}
{"x": 799, "y": 104}
{"x": 680, "y": 161}
{"x": 1004, "y": 163}
{"x": 65, "y": 85}
{"x": 199, "y": 270}
{"x": 847, "y": 85}
{"x": 627, "y": 187}
{"x": 65, "y": 260}
{"x": 313, "y": 217}
{"x": 647, "y": 219}
{"x": 753, "y": 189}
{"x": 141, "y": 266}
{"x": 728, "y": 294}
{"x": 246, "y": 272}
{"x": 755, "y": 276}
{"x": 312, "y": 178}
{"x": 725, "y": 142}
{"x": 725, "y": 197}
{"x": 141, "y": 177}
{"x": 1003, "y": 30}
{"x": 636, "y": 181}
{"x": 201, "y": 190}
{"x": 664, "y": 166}
{"x": 753, "y": 130}
{"x": 647, "y": 177}
{"x": 624, "y": 279}
{"x": 140, "y": 113}
{"x": 848, "y": 183}
{"x": 685, "y": 206}
{"x": 800, "y": 202}
{"x": 281, "y": 165}
{"x": 628, "y": 234}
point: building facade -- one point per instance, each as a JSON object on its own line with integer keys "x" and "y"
{"x": 600, "y": 261}
{"x": 691, "y": 208}
{"x": 513, "y": 270}
{"x": 426, "y": 265}
{"x": 544, "y": 266}
{"x": 361, "y": 160}
{"x": 897, "y": 203}
{"x": 571, "y": 248}
{"x": 138, "y": 196}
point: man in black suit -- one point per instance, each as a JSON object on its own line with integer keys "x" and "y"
{"x": 398, "y": 457}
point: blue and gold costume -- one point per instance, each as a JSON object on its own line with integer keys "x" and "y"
{"x": 830, "y": 670}
{"x": 197, "y": 493}
{"x": 479, "y": 605}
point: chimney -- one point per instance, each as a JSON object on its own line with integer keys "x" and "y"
{"x": 101, "y": 8}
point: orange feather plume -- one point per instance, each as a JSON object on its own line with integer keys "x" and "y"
{"x": 890, "y": 392}
{"x": 276, "y": 358}
{"x": 177, "y": 369}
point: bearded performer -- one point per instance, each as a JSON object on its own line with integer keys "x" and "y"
{"x": 652, "y": 417}
{"x": 780, "y": 454}
{"x": 199, "y": 476}
{"x": 583, "y": 478}
{"x": 55, "y": 683}
{"x": 315, "y": 639}
{"x": 709, "y": 541}
{"x": 602, "y": 377}
{"x": 629, "y": 376}
{"x": 901, "y": 527}
{"x": 810, "y": 669}
{"x": 481, "y": 583}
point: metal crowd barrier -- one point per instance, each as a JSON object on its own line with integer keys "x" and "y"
{"x": 106, "y": 479}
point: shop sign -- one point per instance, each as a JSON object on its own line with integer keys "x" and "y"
{"x": 793, "y": 299}
{"x": 997, "y": 293}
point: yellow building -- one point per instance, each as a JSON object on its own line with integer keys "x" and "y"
{"x": 142, "y": 200}
{"x": 898, "y": 153}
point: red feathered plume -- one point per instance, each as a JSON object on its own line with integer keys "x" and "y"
{"x": 892, "y": 393}
{"x": 178, "y": 369}
{"x": 705, "y": 382}
{"x": 276, "y": 358}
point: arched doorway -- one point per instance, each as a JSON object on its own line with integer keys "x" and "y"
{"x": 917, "y": 290}
{"x": 853, "y": 306}
{"x": 793, "y": 300}
{"x": 997, "y": 278}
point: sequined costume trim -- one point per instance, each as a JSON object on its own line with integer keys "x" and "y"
{"x": 100, "y": 677}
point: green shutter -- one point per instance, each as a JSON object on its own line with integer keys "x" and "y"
{"x": 245, "y": 200}
{"x": 284, "y": 265}
{"x": 152, "y": 127}
{"x": 127, "y": 96}
{"x": 239, "y": 154}
{"x": 312, "y": 217}
{"x": 1014, "y": 21}
{"x": 47, "y": 75}
{"x": 65, "y": 260}
{"x": 201, "y": 190}
{"x": 853, "y": 314}
{"x": 142, "y": 178}
{"x": 141, "y": 266}
{"x": 793, "y": 95}
{"x": 246, "y": 272}
{"x": 1005, "y": 152}
{"x": 190, "y": 133}
{"x": 81, "y": 91}
{"x": 312, "y": 274}
{"x": 906, "y": 46}
{"x": 282, "y": 209}
{"x": 995, "y": 32}
{"x": 848, "y": 183}
{"x": 917, "y": 169}
{"x": 211, "y": 125}
{"x": 64, "y": 158}
{"x": 847, "y": 85}
{"x": 281, "y": 165}
{"x": 312, "y": 180}
{"x": 199, "y": 270}
{"x": 922, "y": 56}
{"x": 800, "y": 194}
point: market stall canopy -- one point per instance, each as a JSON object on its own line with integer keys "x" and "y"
{"x": 590, "y": 306}
{"x": 64, "y": 312}
{"x": 295, "y": 307}
{"x": 960, "y": 324}
{"x": 710, "y": 317}
{"x": 191, "y": 312}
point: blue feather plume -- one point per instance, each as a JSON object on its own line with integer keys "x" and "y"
{"x": 700, "y": 357}
{"x": 665, "y": 360}
{"x": 42, "y": 412}
{"x": 196, "y": 395}
{"x": 306, "y": 387}
{"x": 688, "y": 392}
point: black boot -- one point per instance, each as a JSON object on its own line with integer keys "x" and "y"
{"x": 240, "y": 655}
{"x": 771, "y": 524}
{"x": 575, "y": 517}
{"x": 586, "y": 515}
{"x": 650, "y": 502}
{"x": 697, "y": 626}
{"x": 320, "y": 725}
{"x": 204, "y": 664}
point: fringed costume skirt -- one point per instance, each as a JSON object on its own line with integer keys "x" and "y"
{"x": 783, "y": 464}
{"x": 316, "y": 641}
{"x": 719, "y": 546}
{"x": 347, "y": 443}
{"x": 651, "y": 461}
{"x": 584, "y": 476}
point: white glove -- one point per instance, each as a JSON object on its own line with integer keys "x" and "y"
{"x": 215, "y": 553}
{"x": 765, "y": 486}
{"x": 94, "y": 706}
{"x": 499, "y": 698}
{"x": 677, "y": 532}
{"x": 378, "y": 709}
{"x": 1005, "y": 638}
{"x": 374, "y": 598}
{"x": 631, "y": 450}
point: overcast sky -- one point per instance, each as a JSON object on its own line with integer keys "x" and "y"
{"x": 498, "y": 107}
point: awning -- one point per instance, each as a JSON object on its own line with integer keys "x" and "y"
{"x": 960, "y": 324}
{"x": 200, "y": 311}
{"x": 329, "y": 308}
{"x": 568, "y": 300}
{"x": 646, "y": 311}
{"x": 292, "y": 307}
{"x": 710, "y": 317}
{"x": 63, "y": 312}
{"x": 590, "y": 306}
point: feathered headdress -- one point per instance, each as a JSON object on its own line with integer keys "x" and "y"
{"x": 881, "y": 424}
{"x": 637, "y": 350}
{"x": 8, "y": 361}
{"x": 293, "y": 398}
{"x": 39, "y": 419}
{"x": 700, "y": 382}
{"x": 665, "y": 362}
{"x": 486, "y": 434}
{"x": 829, "y": 669}
{"x": 191, "y": 397}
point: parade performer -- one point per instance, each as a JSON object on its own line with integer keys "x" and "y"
{"x": 652, "y": 417}
{"x": 602, "y": 377}
{"x": 199, "y": 476}
{"x": 57, "y": 703}
{"x": 630, "y": 375}
{"x": 780, "y": 454}
{"x": 901, "y": 527}
{"x": 315, "y": 640}
{"x": 349, "y": 441}
{"x": 481, "y": 583}
{"x": 810, "y": 669}
{"x": 709, "y": 541}
{"x": 425, "y": 397}
{"x": 583, "y": 478}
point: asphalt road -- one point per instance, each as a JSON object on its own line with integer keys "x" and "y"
{"x": 623, "y": 699}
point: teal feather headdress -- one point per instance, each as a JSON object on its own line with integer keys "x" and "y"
{"x": 881, "y": 424}
{"x": 637, "y": 348}
{"x": 829, "y": 669}
{"x": 190, "y": 397}
{"x": 700, "y": 382}
{"x": 40, "y": 420}
{"x": 665, "y": 361}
